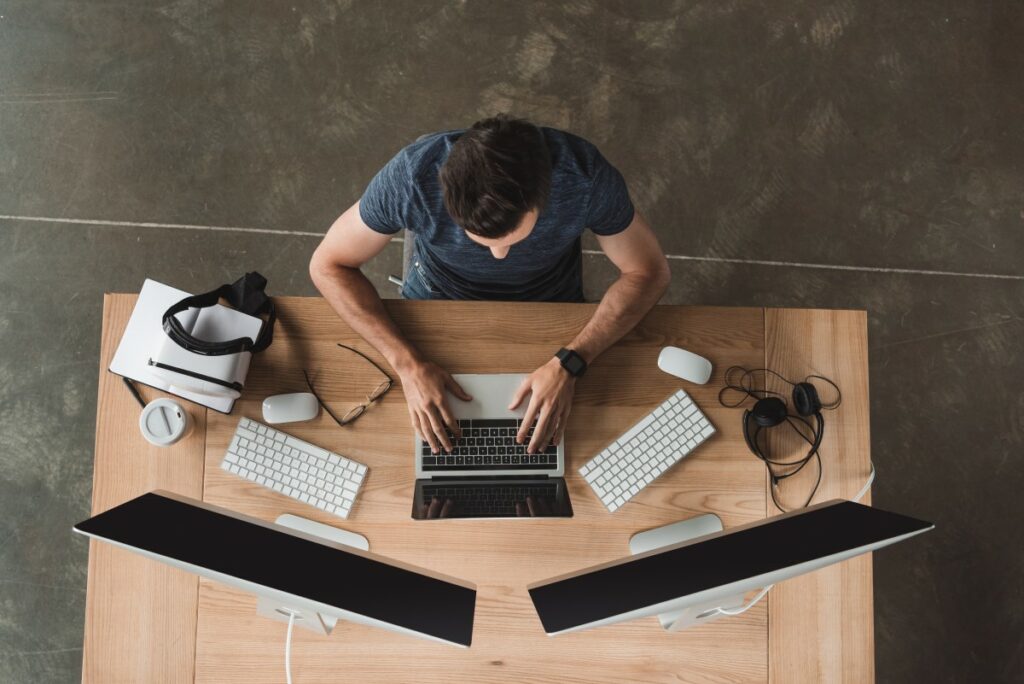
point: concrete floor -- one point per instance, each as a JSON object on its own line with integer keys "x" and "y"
{"x": 872, "y": 141}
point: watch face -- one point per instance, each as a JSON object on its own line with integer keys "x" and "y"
{"x": 574, "y": 364}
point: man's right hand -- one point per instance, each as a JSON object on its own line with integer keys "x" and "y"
{"x": 424, "y": 384}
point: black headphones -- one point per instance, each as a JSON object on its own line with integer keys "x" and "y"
{"x": 770, "y": 409}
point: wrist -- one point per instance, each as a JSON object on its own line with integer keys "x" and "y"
{"x": 585, "y": 350}
{"x": 405, "y": 362}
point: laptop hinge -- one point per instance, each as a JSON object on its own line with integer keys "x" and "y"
{"x": 485, "y": 476}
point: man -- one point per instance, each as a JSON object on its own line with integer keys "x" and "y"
{"x": 497, "y": 211}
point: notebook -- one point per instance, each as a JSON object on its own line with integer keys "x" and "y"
{"x": 145, "y": 332}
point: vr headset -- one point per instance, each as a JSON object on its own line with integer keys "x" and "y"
{"x": 215, "y": 367}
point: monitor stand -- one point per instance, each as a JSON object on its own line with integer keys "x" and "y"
{"x": 316, "y": 622}
{"x": 676, "y": 533}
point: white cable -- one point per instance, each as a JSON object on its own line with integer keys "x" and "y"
{"x": 288, "y": 648}
{"x": 739, "y": 611}
{"x": 867, "y": 485}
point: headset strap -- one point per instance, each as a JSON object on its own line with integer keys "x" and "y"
{"x": 246, "y": 295}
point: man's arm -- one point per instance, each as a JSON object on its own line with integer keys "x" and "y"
{"x": 334, "y": 268}
{"x": 643, "y": 278}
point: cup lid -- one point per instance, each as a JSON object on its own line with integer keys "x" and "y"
{"x": 163, "y": 422}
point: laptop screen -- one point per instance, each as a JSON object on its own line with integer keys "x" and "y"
{"x": 353, "y": 582}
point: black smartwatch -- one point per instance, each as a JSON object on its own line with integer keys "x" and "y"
{"x": 572, "y": 362}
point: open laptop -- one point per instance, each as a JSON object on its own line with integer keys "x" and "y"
{"x": 488, "y": 475}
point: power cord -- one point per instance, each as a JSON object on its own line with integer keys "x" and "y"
{"x": 743, "y": 609}
{"x": 288, "y": 648}
{"x": 867, "y": 485}
{"x": 761, "y": 594}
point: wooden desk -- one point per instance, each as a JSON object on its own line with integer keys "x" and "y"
{"x": 146, "y": 622}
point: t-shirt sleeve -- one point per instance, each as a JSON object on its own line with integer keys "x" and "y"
{"x": 610, "y": 210}
{"x": 385, "y": 206}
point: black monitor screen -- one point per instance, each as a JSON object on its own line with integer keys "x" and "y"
{"x": 282, "y": 561}
{"x": 775, "y": 545}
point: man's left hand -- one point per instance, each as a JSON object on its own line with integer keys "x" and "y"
{"x": 552, "y": 389}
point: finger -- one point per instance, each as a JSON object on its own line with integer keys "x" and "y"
{"x": 455, "y": 388}
{"x": 532, "y": 505}
{"x": 542, "y": 433}
{"x": 426, "y": 432}
{"x": 417, "y": 425}
{"x": 549, "y": 434}
{"x": 517, "y": 398}
{"x": 563, "y": 420}
{"x": 450, "y": 421}
{"x": 524, "y": 429}
{"x": 447, "y": 509}
{"x": 438, "y": 428}
{"x": 435, "y": 508}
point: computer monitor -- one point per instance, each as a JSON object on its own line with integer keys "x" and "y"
{"x": 301, "y": 573}
{"x": 695, "y": 580}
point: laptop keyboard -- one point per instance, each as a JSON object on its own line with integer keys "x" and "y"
{"x": 489, "y": 444}
{"x": 491, "y": 500}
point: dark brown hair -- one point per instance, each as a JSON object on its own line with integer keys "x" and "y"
{"x": 496, "y": 171}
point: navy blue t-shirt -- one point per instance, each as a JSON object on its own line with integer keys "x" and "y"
{"x": 586, "y": 192}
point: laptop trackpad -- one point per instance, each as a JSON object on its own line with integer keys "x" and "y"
{"x": 544, "y": 497}
{"x": 492, "y": 393}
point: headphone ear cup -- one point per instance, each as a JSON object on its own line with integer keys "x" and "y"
{"x": 805, "y": 399}
{"x": 769, "y": 412}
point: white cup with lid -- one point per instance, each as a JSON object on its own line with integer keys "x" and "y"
{"x": 164, "y": 422}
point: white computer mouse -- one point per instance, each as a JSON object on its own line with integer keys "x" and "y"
{"x": 290, "y": 408}
{"x": 685, "y": 365}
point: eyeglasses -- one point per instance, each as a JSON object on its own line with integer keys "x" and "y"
{"x": 357, "y": 410}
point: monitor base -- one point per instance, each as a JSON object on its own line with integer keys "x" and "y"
{"x": 315, "y": 622}
{"x": 676, "y": 533}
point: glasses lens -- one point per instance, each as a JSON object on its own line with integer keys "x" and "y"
{"x": 381, "y": 389}
{"x": 354, "y": 413}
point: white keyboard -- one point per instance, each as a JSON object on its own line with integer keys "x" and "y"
{"x": 659, "y": 441}
{"x": 298, "y": 469}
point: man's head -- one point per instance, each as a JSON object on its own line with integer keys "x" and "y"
{"x": 496, "y": 181}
